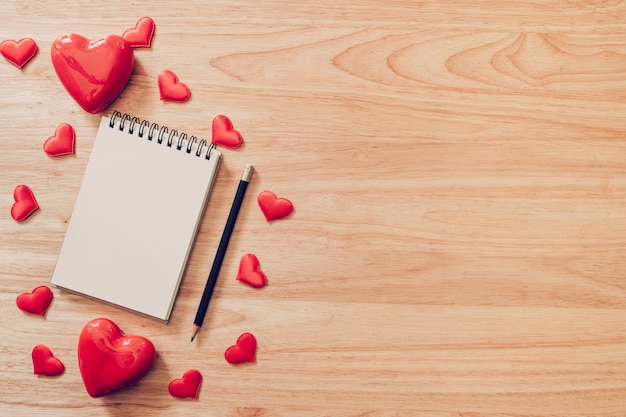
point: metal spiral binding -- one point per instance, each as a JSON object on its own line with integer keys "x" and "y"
{"x": 161, "y": 132}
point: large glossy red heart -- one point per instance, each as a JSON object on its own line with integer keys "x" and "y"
{"x": 170, "y": 89}
{"x": 141, "y": 35}
{"x": 224, "y": 134}
{"x": 20, "y": 52}
{"x": 186, "y": 387}
{"x": 243, "y": 351}
{"x": 273, "y": 207}
{"x": 95, "y": 72}
{"x": 45, "y": 363}
{"x": 250, "y": 272}
{"x": 62, "y": 142}
{"x": 108, "y": 360}
{"x": 25, "y": 203}
{"x": 35, "y": 301}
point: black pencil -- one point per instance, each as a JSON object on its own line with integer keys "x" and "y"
{"x": 221, "y": 250}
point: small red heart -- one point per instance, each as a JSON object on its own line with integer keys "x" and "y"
{"x": 36, "y": 301}
{"x": 108, "y": 360}
{"x": 186, "y": 387}
{"x": 170, "y": 89}
{"x": 250, "y": 272}
{"x": 141, "y": 35}
{"x": 94, "y": 73}
{"x": 273, "y": 207}
{"x": 45, "y": 363}
{"x": 62, "y": 142}
{"x": 243, "y": 351}
{"x": 224, "y": 134}
{"x": 25, "y": 203}
{"x": 20, "y": 52}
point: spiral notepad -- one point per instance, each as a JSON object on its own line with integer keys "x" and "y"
{"x": 136, "y": 216}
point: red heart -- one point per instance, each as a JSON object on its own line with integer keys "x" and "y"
{"x": 243, "y": 351}
{"x": 170, "y": 89}
{"x": 186, "y": 387}
{"x": 224, "y": 134}
{"x": 62, "y": 142}
{"x": 141, "y": 35}
{"x": 273, "y": 207}
{"x": 25, "y": 203}
{"x": 108, "y": 360}
{"x": 250, "y": 273}
{"x": 45, "y": 363}
{"x": 20, "y": 52}
{"x": 36, "y": 301}
{"x": 94, "y": 73}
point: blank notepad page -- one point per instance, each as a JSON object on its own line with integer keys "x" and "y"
{"x": 136, "y": 216}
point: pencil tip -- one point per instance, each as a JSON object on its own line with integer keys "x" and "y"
{"x": 192, "y": 337}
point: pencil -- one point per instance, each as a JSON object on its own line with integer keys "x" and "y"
{"x": 221, "y": 250}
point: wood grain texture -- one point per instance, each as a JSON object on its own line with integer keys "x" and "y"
{"x": 459, "y": 177}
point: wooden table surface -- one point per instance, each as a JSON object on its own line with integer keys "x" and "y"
{"x": 458, "y": 171}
